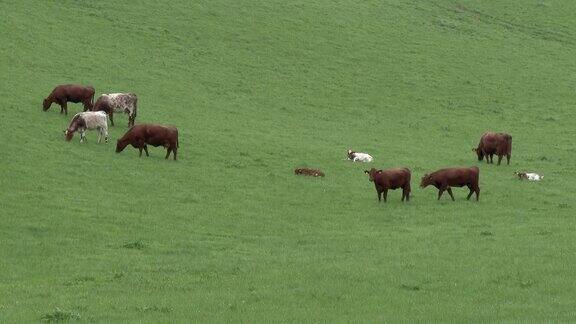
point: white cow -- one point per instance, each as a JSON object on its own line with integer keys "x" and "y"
{"x": 88, "y": 120}
{"x": 359, "y": 157}
{"x": 530, "y": 176}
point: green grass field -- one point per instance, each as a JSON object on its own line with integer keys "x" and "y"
{"x": 257, "y": 88}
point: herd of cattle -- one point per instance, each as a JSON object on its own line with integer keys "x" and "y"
{"x": 499, "y": 144}
{"x": 95, "y": 117}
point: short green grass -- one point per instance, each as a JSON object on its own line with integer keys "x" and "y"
{"x": 257, "y": 88}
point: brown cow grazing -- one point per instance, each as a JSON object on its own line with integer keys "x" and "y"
{"x": 156, "y": 135}
{"x": 65, "y": 93}
{"x": 494, "y": 143}
{"x": 390, "y": 179}
{"x": 309, "y": 172}
{"x": 453, "y": 177}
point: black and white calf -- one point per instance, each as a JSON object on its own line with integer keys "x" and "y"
{"x": 118, "y": 102}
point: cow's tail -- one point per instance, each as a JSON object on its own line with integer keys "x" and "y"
{"x": 92, "y": 99}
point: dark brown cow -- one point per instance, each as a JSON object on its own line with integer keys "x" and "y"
{"x": 494, "y": 143}
{"x": 309, "y": 172}
{"x": 453, "y": 177}
{"x": 156, "y": 135}
{"x": 390, "y": 179}
{"x": 65, "y": 93}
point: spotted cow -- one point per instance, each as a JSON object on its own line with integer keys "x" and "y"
{"x": 118, "y": 102}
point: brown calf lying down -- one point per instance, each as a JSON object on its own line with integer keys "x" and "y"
{"x": 453, "y": 177}
{"x": 494, "y": 143}
{"x": 152, "y": 134}
{"x": 390, "y": 179}
{"x": 309, "y": 172}
{"x": 65, "y": 93}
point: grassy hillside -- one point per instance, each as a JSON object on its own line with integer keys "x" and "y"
{"x": 257, "y": 88}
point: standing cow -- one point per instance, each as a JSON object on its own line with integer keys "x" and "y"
{"x": 453, "y": 177}
{"x": 390, "y": 179}
{"x": 65, "y": 93}
{"x": 118, "y": 102}
{"x": 88, "y": 120}
{"x": 494, "y": 143}
{"x": 156, "y": 135}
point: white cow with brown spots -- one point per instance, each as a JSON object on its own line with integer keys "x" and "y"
{"x": 118, "y": 102}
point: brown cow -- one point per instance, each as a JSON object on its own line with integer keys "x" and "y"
{"x": 65, "y": 93}
{"x": 494, "y": 143}
{"x": 390, "y": 179}
{"x": 309, "y": 172}
{"x": 156, "y": 135}
{"x": 453, "y": 177}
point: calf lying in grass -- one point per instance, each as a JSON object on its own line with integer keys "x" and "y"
{"x": 309, "y": 172}
{"x": 358, "y": 156}
{"x": 530, "y": 176}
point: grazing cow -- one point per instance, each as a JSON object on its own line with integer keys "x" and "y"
{"x": 530, "y": 176}
{"x": 309, "y": 172}
{"x": 118, "y": 102}
{"x": 359, "y": 157}
{"x": 65, "y": 93}
{"x": 453, "y": 177}
{"x": 390, "y": 179}
{"x": 494, "y": 143}
{"x": 88, "y": 120}
{"x": 156, "y": 135}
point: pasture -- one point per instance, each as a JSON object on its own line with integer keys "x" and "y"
{"x": 256, "y": 88}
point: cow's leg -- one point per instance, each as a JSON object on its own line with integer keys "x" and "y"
{"x": 385, "y": 194}
{"x": 508, "y": 159}
{"x": 174, "y": 152}
{"x": 477, "y": 189}
{"x": 471, "y": 192}
{"x": 499, "y": 159}
{"x": 99, "y": 135}
{"x": 450, "y": 192}
{"x": 64, "y": 106}
{"x": 440, "y": 192}
{"x": 168, "y": 150}
{"x": 146, "y": 150}
{"x": 111, "y": 116}
{"x": 379, "y": 194}
{"x": 140, "y": 148}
